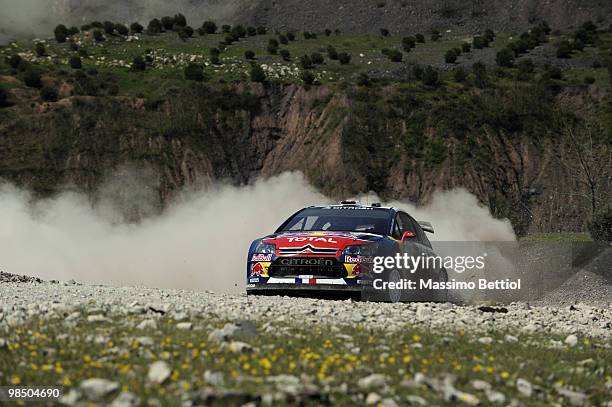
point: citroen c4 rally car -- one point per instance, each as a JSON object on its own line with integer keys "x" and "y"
{"x": 332, "y": 248}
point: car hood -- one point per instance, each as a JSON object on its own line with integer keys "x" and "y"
{"x": 317, "y": 243}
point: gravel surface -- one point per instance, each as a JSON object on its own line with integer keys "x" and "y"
{"x": 20, "y": 300}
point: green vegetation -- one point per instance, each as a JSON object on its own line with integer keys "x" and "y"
{"x": 601, "y": 225}
{"x": 115, "y": 350}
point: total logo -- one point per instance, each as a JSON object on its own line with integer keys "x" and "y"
{"x": 312, "y": 239}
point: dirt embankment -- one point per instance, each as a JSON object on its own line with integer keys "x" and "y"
{"x": 249, "y": 130}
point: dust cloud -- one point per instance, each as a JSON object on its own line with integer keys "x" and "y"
{"x": 200, "y": 242}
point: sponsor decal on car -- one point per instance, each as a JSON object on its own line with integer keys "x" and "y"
{"x": 254, "y": 280}
{"x": 358, "y": 259}
{"x": 261, "y": 257}
{"x": 292, "y": 261}
{"x": 257, "y": 269}
{"x": 311, "y": 239}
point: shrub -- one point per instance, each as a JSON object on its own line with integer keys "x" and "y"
{"x": 395, "y": 55}
{"x": 417, "y": 72}
{"x": 39, "y": 48}
{"x": 109, "y": 27}
{"x": 344, "y": 58}
{"x": 136, "y": 28}
{"x": 209, "y": 27}
{"x": 60, "y": 29}
{"x": 554, "y": 72}
{"x": 489, "y": 35}
{"x": 435, "y": 35}
{"x": 139, "y": 64}
{"x": 215, "y": 60}
{"x": 589, "y": 80}
{"x": 75, "y": 62}
{"x": 481, "y": 78}
{"x": 249, "y": 54}
{"x": 332, "y": 53}
{"x": 564, "y": 49}
{"x": 408, "y": 43}
{"x": 285, "y": 54}
{"x": 451, "y": 56}
{"x": 86, "y": 27}
{"x": 480, "y": 42}
{"x": 194, "y": 72}
{"x": 258, "y": 74}
{"x": 466, "y": 47}
{"x": 185, "y": 33}
{"x": 3, "y": 97}
{"x": 261, "y": 30}
{"x": 363, "y": 79}
{"x": 214, "y": 52}
{"x": 239, "y": 31}
{"x": 306, "y": 62}
{"x": 317, "y": 58}
{"x": 283, "y": 39}
{"x": 307, "y": 77}
{"x": 251, "y": 31}
{"x": 48, "y": 94}
{"x": 226, "y": 28}
{"x": 578, "y": 45}
{"x": 60, "y": 37}
{"x": 122, "y": 29}
{"x": 155, "y": 26}
{"x": 430, "y": 76}
{"x": 180, "y": 20}
{"x": 98, "y": 36}
{"x": 459, "y": 75}
{"x": 309, "y": 35}
{"x": 600, "y": 227}
{"x": 384, "y": 32}
{"x": 273, "y": 46}
{"x": 167, "y": 23}
{"x": 420, "y": 38}
{"x": 505, "y": 58}
{"x": 290, "y": 36}
{"x": 14, "y": 61}
{"x": 328, "y": 32}
{"x": 32, "y": 79}
{"x": 526, "y": 65}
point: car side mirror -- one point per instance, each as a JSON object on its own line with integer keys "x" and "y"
{"x": 407, "y": 236}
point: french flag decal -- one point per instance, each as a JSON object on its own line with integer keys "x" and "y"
{"x": 305, "y": 280}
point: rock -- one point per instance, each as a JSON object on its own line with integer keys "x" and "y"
{"x": 466, "y": 398}
{"x": 495, "y": 396}
{"x": 423, "y": 312}
{"x": 388, "y": 402}
{"x": 97, "y": 318}
{"x": 480, "y": 385}
{"x": 416, "y": 400}
{"x": 372, "y": 399}
{"x": 575, "y": 398}
{"x": 147, "y": 324}
{"x": 159, "y": 372}
{"x": 242, "y": 330}
{"x": 214, "y": 378}
{"x": 524, "y": 387}
{"x": 486, "y": 340}
{"x": 185, "y": 326}
{"x": 3, "y": 343}
{"x": 96, "y": 389}
{"x": 126, "y": 399}
{"x": 571, "y": 340}
{"x": 373, "y": 380}
{"x": 71, "y": 398}
{"x": 144, "y": 341}
{"x": 510, "y": 339}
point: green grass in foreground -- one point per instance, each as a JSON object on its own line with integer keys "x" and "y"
{"x": 35, "y": 355}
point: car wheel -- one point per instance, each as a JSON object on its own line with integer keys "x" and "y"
{"x": 395, "y": 295}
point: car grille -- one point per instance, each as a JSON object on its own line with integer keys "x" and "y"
{"x": 321, "y": 267}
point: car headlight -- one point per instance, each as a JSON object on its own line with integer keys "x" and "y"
{"x": 363, "y": 250}
{"x": 265, "y": 248}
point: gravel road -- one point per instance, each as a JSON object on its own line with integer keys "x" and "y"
{"x": 20, "y": 299}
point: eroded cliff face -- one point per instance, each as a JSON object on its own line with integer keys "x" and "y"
{"x": 338, "y": 139}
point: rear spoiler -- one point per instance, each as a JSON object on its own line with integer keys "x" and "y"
{"x": 426, "y": 226}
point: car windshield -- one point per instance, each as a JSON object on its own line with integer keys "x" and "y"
{"x": 339, "y": 219}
